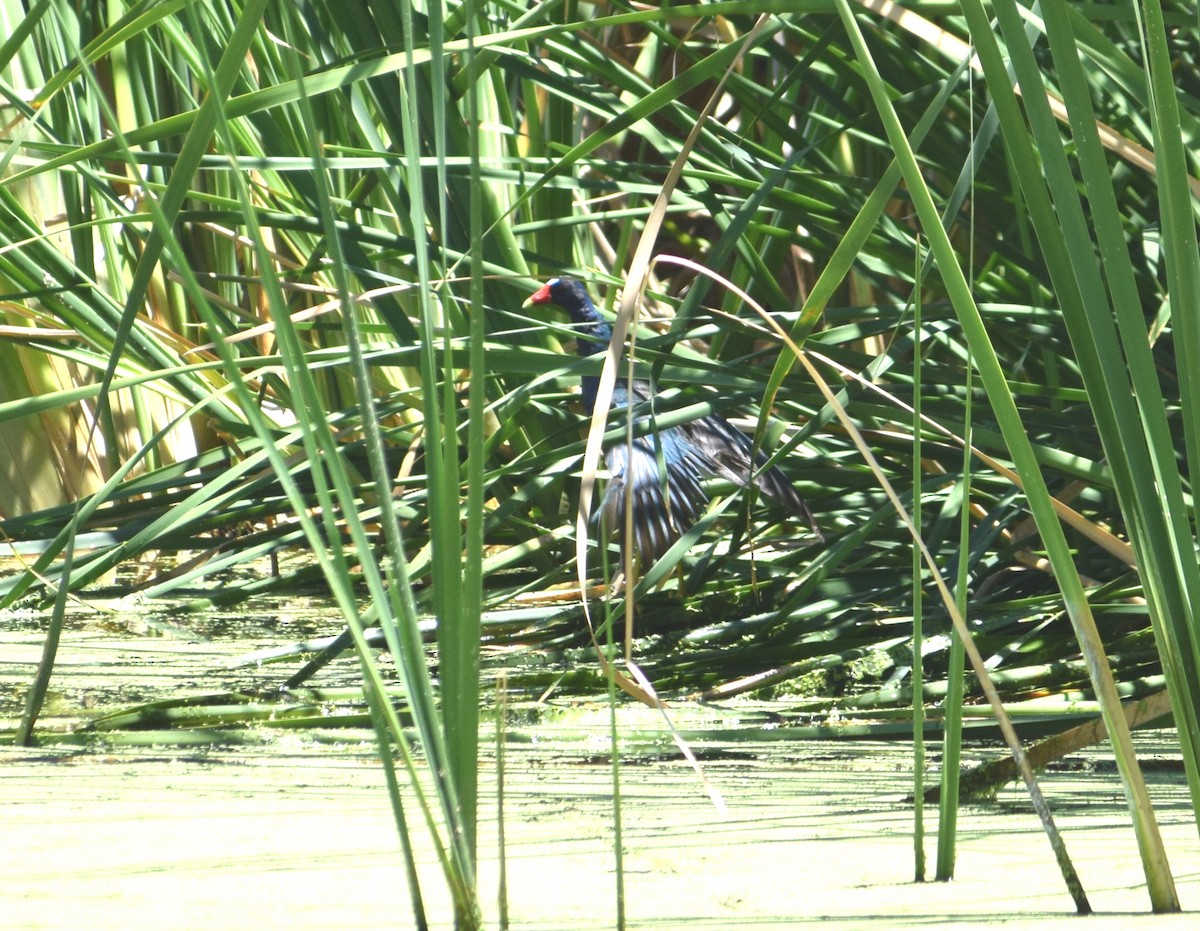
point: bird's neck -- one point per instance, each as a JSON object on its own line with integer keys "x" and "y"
{"x": 592, "y": 336}
{"x": 589, "y": 343}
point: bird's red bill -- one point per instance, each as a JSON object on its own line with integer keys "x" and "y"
{"x": 541, "y": 295}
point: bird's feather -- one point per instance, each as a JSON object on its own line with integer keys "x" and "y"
{"x": 665, "y": 500}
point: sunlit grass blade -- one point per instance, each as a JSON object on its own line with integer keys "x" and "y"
{"x": 991, "y": 373}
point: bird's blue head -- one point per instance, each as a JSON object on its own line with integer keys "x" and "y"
{"x": 593, "y": 333}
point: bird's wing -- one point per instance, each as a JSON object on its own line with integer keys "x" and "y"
{"x": 706, "y": 447}
{"x": 658, "y": 518}
{"x": 723, "y": 450}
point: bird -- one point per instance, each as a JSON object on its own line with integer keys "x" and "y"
{"x": 707, "y": 447}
